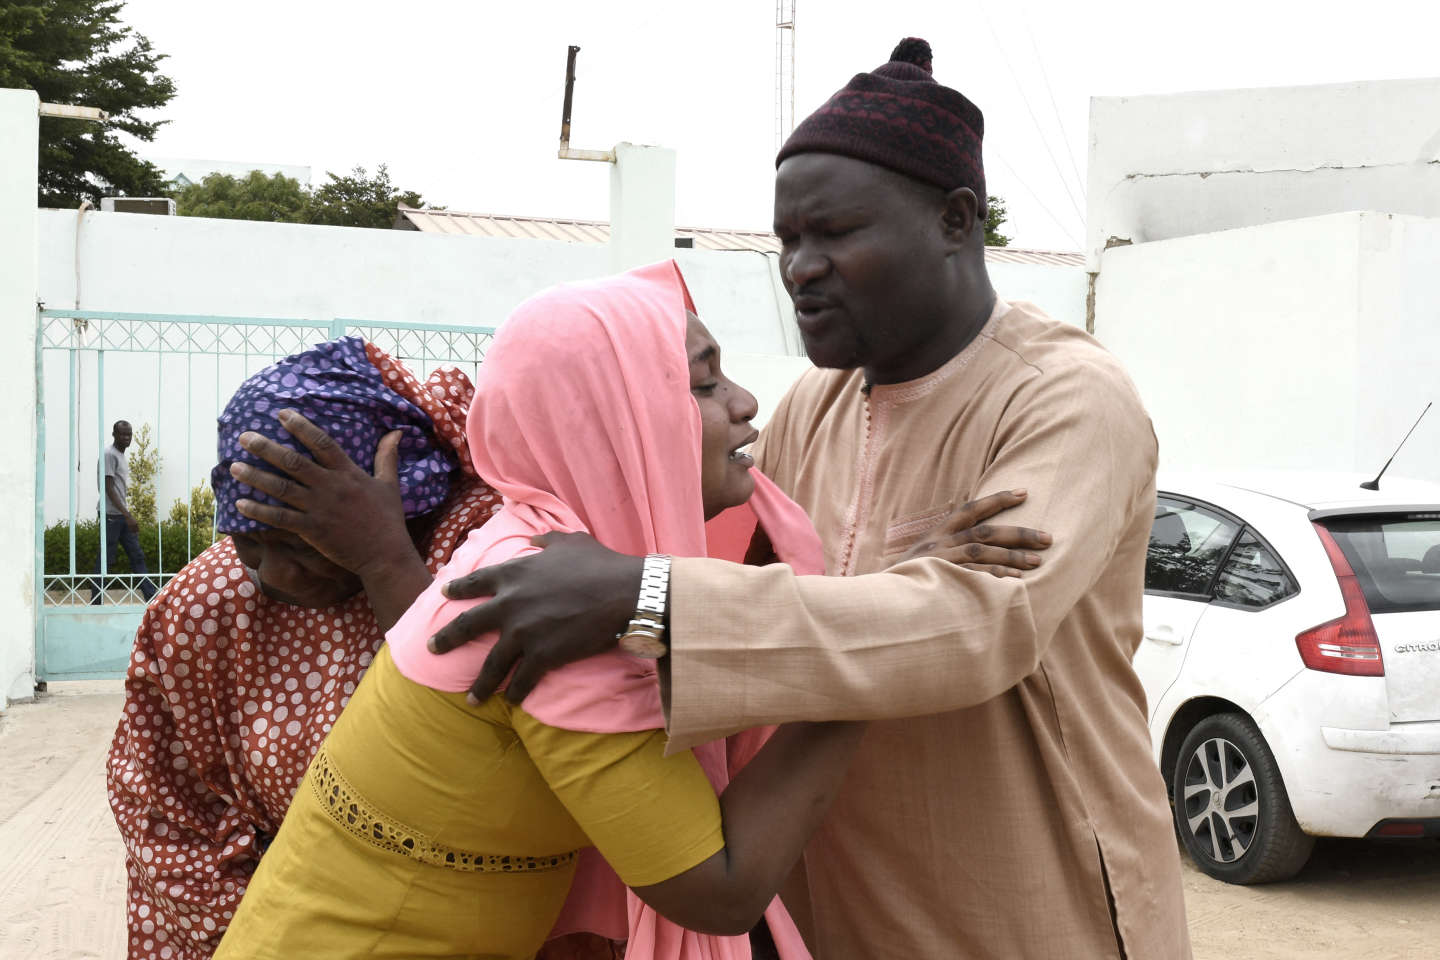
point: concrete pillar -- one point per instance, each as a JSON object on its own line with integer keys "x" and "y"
{"x": 19, "y": 182}
{"x": 642, "y": 206}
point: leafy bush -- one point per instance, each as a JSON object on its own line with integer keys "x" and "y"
{"x": 184, "y": 541}
{"x": 202, "y": 506}
{"x": 88, "y": 545}
{"x": 144, "y": 466}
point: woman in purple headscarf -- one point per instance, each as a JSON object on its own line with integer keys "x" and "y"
{"x": 244, "y": 660}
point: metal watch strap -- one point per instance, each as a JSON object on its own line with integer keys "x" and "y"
{"x": 645, "y": 635}
{"x": 654, "y": 586}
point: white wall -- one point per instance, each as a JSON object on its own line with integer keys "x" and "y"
{"x": 1176, "y": 165}
{"x": 19, "y": 172}
{"x": 766, "y": 375}
{"x": 642, "y": 205}
{"x": 181, "y": 265}
{"x": 137, "y": 263}
{"x": 1059, "y": 291}
{"x": 140, "y": 263}
{"x": 1308, "y": 344}
{"x": 1398, "y": 343}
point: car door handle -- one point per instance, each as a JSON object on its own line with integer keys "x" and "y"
{"x": 1164, "y": 633}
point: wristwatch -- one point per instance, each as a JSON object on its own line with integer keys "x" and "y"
{"x": 645, "y": 636}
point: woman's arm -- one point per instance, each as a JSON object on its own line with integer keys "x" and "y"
{"x": 769, "y": 812}
{"x": 710, "y": 864}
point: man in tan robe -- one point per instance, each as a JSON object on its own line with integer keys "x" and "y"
{"x": 1006, "y": 779}
{"x": 1004, "y": 803}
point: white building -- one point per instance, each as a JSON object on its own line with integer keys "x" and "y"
{"x": 1266, "y": 267}
{"x": 1182, "y": 164}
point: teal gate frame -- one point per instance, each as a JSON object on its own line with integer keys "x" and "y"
{"x": 74, "y": 638}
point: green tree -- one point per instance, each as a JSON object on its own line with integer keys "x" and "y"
{"x": 354, "y": 200}
{"x": 253, "y": 197}
{"x": 78, "y": 52}
{"x": 359, "y": 200}
{"x": 995, "y": 214}
{"x": 144, "y": 466}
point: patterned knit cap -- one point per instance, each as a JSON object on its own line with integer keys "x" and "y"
{"x": 898, "y": 117}
{"x": 338, "y": 386}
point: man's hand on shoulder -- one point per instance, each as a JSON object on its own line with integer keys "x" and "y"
{"x": 570, "y": 600}
{"x": 563, "y": 604}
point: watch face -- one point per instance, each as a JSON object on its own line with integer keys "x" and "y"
{"x": 646, "y": 645}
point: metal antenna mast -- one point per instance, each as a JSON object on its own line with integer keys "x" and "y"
{"x": 784, "y": 71}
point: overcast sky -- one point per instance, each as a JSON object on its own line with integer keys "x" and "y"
{"x": 462, "y": 99}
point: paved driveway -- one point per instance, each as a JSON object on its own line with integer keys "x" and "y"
{"x": 62, "y": 879}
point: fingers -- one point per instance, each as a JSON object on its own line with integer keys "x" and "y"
{"x": 529, "y": 672}
{"x": 973, "y": 512}
{"x": 320, "y": 444}
{"x": 484, "y": 582}
{"x": 555, "y": 536}
{"x": 994, "y": 571}
{"x": 1023, "y": 538}
{"x": 466, "y": 626}
{"x": 279, "y": 517}
{"x": 977, "y": 556}
{"x": 496, "y": 668}
{"x": 387, "y": 458}
{"x": 293, "y": 463}
{"x": 281, "y": 488}
{"x": 986, "y": 555}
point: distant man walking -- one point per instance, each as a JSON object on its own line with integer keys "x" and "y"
{"x": 121, "y": 527}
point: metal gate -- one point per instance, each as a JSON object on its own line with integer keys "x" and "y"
{"x": 169, "y": 376}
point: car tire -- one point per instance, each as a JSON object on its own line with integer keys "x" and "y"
{"x": 1243, "y": 832}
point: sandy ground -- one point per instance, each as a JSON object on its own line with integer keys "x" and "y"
{"x": 62, "y": 879}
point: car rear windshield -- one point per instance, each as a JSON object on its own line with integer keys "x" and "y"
{"x": 1396, "y": 558}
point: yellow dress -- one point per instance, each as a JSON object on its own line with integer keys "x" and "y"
{"x": 426, "y": 827}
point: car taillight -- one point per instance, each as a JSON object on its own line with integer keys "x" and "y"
{"x": 1349, "y": 644}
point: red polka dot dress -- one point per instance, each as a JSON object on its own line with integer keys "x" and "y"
{"x": 228, "y": 695}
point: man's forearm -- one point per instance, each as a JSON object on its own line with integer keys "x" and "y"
{"x": 926, "y": 639}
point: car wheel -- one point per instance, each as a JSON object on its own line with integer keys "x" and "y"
{"x": 1231, "y": 808}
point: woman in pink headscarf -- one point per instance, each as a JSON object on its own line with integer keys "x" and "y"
{"x": 431, "y": 826}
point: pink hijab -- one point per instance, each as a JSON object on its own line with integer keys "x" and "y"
{"x": 583, "y": 420}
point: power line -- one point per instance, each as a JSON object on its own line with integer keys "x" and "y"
{"x": 1036, "y": 197}
{"x": 1064, "y": 136}
{"x": 1045, "y": 141}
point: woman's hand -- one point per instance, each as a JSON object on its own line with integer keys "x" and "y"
{"x": 965, "y": 538}
{"x": 355, "y": 519}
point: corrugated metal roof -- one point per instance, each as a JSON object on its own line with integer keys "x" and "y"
{"x": 1049, "y": 258}
{"x": 458, "y": 223}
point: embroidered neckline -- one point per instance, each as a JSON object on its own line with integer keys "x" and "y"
{"x": 910, "y": 390}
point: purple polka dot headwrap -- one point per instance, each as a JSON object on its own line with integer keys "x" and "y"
{"x": 336, "y": 387}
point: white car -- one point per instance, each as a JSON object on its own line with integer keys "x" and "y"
{"x": 1291, "y": 664}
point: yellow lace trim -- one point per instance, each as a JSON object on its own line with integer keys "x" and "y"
{"x": 350, "y": 810}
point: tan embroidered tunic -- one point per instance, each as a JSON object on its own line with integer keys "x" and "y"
{"x": 1004, "y": 801}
